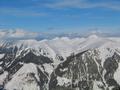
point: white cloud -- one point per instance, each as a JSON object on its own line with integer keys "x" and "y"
{"x": 20, "y": 34}
{"x": 16, "y": 34}
{"x": 84, "y": 4}
{"x": 19, "y": 12}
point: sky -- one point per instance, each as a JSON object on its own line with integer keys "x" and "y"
{"x": 61, "y": 16}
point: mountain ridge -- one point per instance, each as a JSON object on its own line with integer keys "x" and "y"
{"x": 50, "y": 60}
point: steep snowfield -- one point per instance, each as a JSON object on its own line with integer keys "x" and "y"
{"x": 1, "y": 56}
{"x": 3, "y": 77}
{"x": 23, "y": 79}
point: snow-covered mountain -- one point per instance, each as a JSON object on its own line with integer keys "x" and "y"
{"x": 91, "y": 63}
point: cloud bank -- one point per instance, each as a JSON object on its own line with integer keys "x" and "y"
{"x": 21, "y": 34}
{"x": 17, "y": 34}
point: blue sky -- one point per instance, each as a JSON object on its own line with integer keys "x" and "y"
{"x": 61, "y": 15}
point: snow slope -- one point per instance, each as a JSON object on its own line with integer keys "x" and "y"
{"x": 23, "y": 79}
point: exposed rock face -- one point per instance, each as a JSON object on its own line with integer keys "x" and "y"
{"x": 84, "y": 71}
